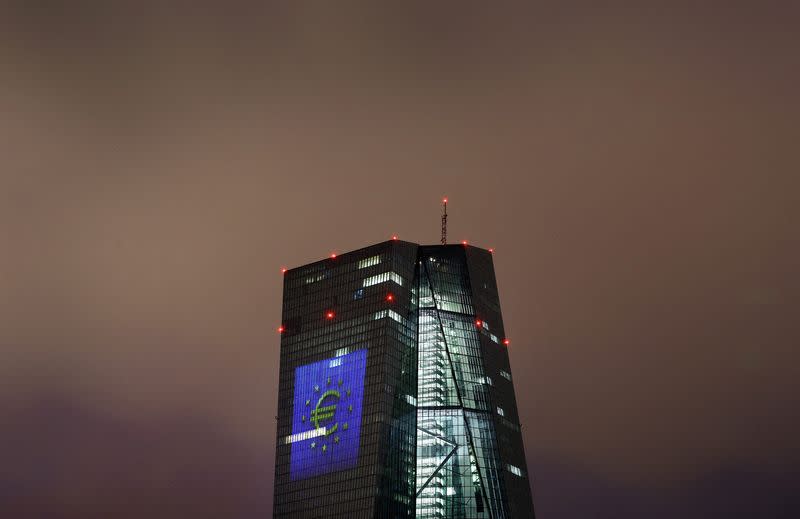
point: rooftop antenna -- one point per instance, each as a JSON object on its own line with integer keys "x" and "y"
{"x": 444, "y": 221}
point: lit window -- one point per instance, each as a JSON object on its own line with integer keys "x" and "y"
{"x": 314, "y": 279}
{"x": 505, "y": 374}
{"x": 383, "y": 278}
{"x": 373, "y": 260}
{"x": 500, "y": 411}
{"x": 358, "y": 294}
{"x": 389, "y": 313}
{"x": 514, "y": 469}
{"x": 306, "y": 435}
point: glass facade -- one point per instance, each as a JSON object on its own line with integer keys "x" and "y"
{"x": 395, "y": 392}
{"x": 457, "y": 457}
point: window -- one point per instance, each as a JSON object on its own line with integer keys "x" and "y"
{"x": 394, "y": 315}
{"x": 358, "y": 294}
{"x": 389, "y": 313}
{"x": 505, "y": 374}
{"x": 315, "y": 278}
{"x": 383, "y": 278}
{"x": 514, "y": 469}
{"x": 372, "y": 260}
{"x": 500, "y": 411}
{"x": 298, "y": 437}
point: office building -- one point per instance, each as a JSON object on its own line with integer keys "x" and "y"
{"x": 396, "y": 396}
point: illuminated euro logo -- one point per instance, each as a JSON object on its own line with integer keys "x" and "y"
{"x": 326, "y": 420}
{"x": 325, "y": 412}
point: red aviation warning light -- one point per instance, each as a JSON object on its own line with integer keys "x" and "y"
{"x": 506, "y": 342}
{"x": 464, "y": 242}
{"x": 394, "y": 237}
{"x": 284, "y": 270}
{"x": 390, "y": 297}
{"x": 329, "y": 314}
{"x": 281, "y": 329}
{"x": 478, "y": 322}
{"x": 491, "y": 251}
{"x": 333, "y": 255}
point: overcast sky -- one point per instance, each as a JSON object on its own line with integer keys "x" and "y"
{"x": 635, "y": 169}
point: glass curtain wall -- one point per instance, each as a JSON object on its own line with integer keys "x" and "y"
{"x": 457, "y": 459}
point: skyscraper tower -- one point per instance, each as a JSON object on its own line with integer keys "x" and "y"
{"x": 396, "y": 397}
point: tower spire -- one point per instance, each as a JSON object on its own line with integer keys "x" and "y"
{"x": 444, "y": 221}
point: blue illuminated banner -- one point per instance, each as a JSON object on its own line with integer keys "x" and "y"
{"x": 327, "y": 415}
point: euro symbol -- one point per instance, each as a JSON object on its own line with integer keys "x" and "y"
{"x": 323, "y": 413}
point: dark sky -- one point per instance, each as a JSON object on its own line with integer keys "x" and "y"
{"x": 636, "y": 170}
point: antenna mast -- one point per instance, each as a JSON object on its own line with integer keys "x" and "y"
{"x": 444, "y": 221}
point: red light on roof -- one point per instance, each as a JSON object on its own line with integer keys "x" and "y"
{"x": 329, "y": 315}
{"x": 390, "y": 297}
{"x": 284, "y": 270}
{"x": 464, "y": 242}
{"x": 506, "y": 342}
{"x": 491, "y": 250}
{"x": 444, "y": 200}
{"x": 333, "y": 255}
{"x": 281, "y": 329}
{"x": 478, "y": 322}
{"x": 394, "y": 237}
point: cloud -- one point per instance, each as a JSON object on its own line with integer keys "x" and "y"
{"x": 61, "y": 459}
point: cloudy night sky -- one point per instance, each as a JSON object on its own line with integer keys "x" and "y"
{"x": 636, "y": 170}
